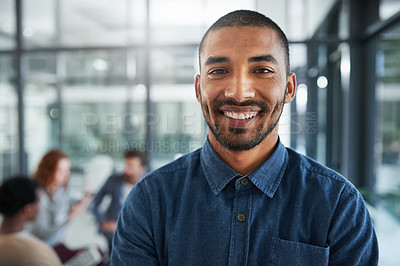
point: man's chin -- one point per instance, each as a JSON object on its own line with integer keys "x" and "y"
{"x": 238, "y": 130}
{"x": 238, "y": 143}
{"x": 238, "y": 146}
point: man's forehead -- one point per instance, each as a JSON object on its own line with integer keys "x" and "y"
{"x": 225, "y": 38}
{"x": 249, "y": 30}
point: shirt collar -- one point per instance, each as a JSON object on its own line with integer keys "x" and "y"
{"x": 266, "y": 177}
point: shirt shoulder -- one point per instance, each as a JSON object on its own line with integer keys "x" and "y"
{"x": 116, "y": 178}
{"x": 315, "y": 173}
{"x": 177, "y": 176}
{"x": 177, "y": 168}
{"x": 44, "y": 197}
{"x": 23, "y": 250}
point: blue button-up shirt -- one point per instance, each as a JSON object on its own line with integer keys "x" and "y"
{"x": 289, "y": 211}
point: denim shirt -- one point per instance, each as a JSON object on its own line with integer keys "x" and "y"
{"x": 289, "y": 211}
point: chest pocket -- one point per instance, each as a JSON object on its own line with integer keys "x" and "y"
{"x": 287, "y": 253}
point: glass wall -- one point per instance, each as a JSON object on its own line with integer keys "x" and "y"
{"x": 300, "y": 118}
{"x": 41, "y": 106}
{"x": 101, "y": 22}
{"x": 8, "y": 119}
{"x": 9, "y": 163}
{"x": 387, "y": 146}
{"x": 388, "y": 8}
{"x": 103, "y": 105}
{"x": 7, "y": 24}
{"x": 388, "y": 124}
{"x": 92, "y": 92}
{"x": 39, "y": 24}
{"x": 178, "y": 122}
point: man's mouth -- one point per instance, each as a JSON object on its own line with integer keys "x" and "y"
{"x": 240, "y": 115}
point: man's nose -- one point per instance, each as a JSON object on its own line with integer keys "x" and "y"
{"x": 240, "y": 87}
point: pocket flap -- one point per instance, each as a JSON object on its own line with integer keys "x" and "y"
{"x": 284, "y": 252}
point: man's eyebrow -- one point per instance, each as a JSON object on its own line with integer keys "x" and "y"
{"x": 263, "y": 58}
{"x": 213, "y": 60}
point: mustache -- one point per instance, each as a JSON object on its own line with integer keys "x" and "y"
{"x": 232, "y": 102}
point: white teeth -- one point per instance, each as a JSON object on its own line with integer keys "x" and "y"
{"x": 240, "y": 116}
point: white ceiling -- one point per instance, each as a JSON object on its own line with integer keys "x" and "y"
{"x": 118, "y": 22}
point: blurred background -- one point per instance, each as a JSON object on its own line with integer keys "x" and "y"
{"x": 95, "y": 77}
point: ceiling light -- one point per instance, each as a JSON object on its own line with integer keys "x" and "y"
{"x": 28, "y": 32}
{"x": 322, "y": 82}
{"x": 100, "y": 65}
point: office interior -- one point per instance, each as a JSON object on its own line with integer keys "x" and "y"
{"x": 95, "y": 77}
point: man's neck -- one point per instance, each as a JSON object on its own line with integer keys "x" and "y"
{"x": 244, "y": 162}
{"x": 12, "y": 225}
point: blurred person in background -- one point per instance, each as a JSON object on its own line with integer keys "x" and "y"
{"x": 19, "y": 203}
{"x": 116, "y": 189}
{"x": 57, "y": 206}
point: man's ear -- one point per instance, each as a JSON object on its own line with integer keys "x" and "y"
{"x": 290, "y": 87}
{"x": 28, "y": 210}
{"x": 197, "y": 86}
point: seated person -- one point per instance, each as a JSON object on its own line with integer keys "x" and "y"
{"x": 19, "y": 203}
{"x": 57, "y": 207}
{"x": 117, "y": 188}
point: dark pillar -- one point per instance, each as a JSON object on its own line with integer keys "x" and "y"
{"x": 19, "y": 82}
{"x": 361, "y": 102}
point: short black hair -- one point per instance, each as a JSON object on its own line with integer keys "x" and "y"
{"x": 15, "y": 193}
{"x": 242, "y": 18}
{"x": 134, "y": 153}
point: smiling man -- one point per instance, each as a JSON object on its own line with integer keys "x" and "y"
{"x": 244, "y": 198}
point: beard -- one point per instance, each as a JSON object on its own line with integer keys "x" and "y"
{"x": 236, "y": 139}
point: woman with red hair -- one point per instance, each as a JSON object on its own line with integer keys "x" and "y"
{"x": 56, "y": 205}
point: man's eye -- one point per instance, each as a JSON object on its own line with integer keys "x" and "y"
{"x": 262, "y": 71}
{"x": 217, "y": 72}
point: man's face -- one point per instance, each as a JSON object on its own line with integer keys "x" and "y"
{"x": 34, "y": 210}
{"x": 31, "y": 210}
{"x": 133, "y": 169}
{"x": 243, "y": 85}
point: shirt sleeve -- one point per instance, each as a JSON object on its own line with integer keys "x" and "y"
{"x": 352, "y": 238}
{"x": 133, "y": 242}
{"x": 49, "y": 225}
{"x": 94, "y": 206}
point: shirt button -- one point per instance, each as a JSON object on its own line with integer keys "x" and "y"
{"x": 241, "y": 217}
{"x": 244, "y": 181}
